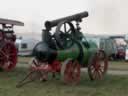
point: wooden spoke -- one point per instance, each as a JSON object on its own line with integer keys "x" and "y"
{"x": 97, "y": 66}
{"x": 71, "y": 73}
{"x": 9, "y": 55}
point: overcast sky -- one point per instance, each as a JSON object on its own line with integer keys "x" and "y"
{"x": 105, "y": 16}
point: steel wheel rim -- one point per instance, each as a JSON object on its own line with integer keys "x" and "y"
{"x": 9, "y": 56}
{"x": 72, "y": 73}
{"x": 98, "y": 66}
{"x": 76, "y": 72}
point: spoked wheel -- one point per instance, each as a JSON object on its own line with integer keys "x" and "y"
{"x": 71, "y": 72}
{"x": 64, "y": 31}
{"x": 98, "y": 65}
{"x": 8, "y": 56}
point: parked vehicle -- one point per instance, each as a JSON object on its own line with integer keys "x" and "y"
{"x": 8, "y": 52}
{"x": 126, "y": 53}
{"x": 25, "y": 46}
{"x": 65, "y": 52}
{"x": 114, "y": 47}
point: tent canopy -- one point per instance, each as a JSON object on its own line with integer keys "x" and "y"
{"x": 11, "y": 22}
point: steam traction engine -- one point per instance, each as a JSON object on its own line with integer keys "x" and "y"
{"x": 66, "y": 50}
{"x": 8, "y": 51}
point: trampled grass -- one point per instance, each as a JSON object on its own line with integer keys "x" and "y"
{"x": 111, "y": 86}
{"x": 22, "y": 59}
{"x": 118, "y": 65}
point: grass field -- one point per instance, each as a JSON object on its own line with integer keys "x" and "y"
{"x": 110, "y": 86}
{"x": 22, "y": 59}
{"x": 118, "y": 65}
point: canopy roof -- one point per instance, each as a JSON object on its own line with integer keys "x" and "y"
{"x": 12, "y": 22}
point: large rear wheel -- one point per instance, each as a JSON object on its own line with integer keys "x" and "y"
{"x": 98, "y": 65}
{"x": 8, "y": 56}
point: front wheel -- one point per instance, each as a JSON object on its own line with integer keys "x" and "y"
{"x": 70, "y": 72}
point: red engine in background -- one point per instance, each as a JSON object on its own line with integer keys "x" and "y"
{"x": 8, "y": 51}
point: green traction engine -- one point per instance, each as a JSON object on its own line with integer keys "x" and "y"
{"x": 66, "y": 50}
{"x": 63, "y": 42}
